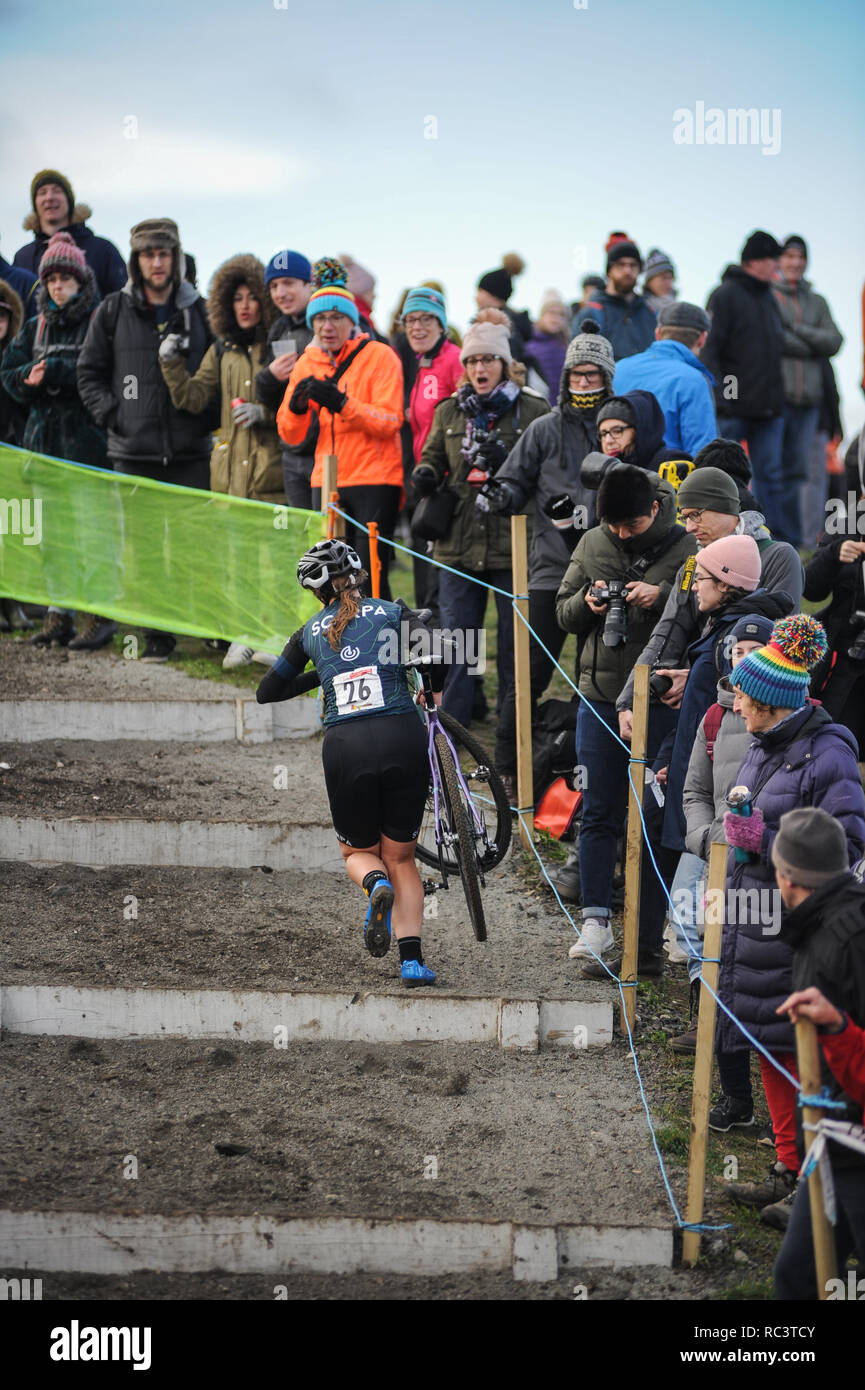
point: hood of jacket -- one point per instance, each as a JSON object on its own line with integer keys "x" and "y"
{"x": 740, "y": 276}
{"x": 726, "y": 693}
{"x": 80, "y": 214}
{"x": 238, "y": 270}
{"x": 74, "y": 310}
{"x": 840, "y": 897}
{"x": 16, "y": 312}
{"x": 649, "y": 419}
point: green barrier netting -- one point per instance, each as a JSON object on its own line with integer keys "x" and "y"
{"x": 152, "y": 555}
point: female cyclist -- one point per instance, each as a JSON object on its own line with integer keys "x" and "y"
{"x": 376, "y": 765}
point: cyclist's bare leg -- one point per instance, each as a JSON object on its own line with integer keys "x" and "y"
{"x": 402, "y": 870}
{"x": 360, "y": 862}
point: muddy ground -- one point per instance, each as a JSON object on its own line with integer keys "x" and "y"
{"x": 53, "y": 673}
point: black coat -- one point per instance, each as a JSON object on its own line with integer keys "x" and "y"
{"x": 745, "y": 343}
{"x": 827, "y": 935}
{"x": 120, "y": 381}
{"x": 101, "y": 255}
{"x": 825, "y": 575}
{"x": 297, "y": 459}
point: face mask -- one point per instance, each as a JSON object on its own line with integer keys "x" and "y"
{"x": 587, "y": 400}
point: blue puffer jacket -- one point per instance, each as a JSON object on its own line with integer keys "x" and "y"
{"x": 629, "y": 324}
{"x": 806, "y": 761}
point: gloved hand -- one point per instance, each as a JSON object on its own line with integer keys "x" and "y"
{"x": 248, "y": 413}
{"x": 424, "y": 480}
{"x": 494, "y": 496}
{"x": 328, "y": 394}
{"x": 492, "y": 452}
{"x": 169, "y": 348}
{"x": 299, "y": 403}
{"x": 560, "y": 510}
{"x": 745, "y": 832}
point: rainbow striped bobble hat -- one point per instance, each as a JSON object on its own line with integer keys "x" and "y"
{"x": 778, "y": 674}
{"x": 331, "y": 293}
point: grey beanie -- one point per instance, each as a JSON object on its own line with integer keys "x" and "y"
{"x": 684, "y": 315}
{"x": 810, "y": 847}
{"x": 592, "y": 349}
{"x": 656, "y": 263}
{"x": 710, "y": 488}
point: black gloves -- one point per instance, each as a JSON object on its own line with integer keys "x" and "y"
{"x": 494, "y": 496}
{"x": 424, "y": 480}
{"x": 326, "y": 393}
{"x": 299, "y": 403}
{"x": 560, "y": 510}
{"x": 493, "y": 453}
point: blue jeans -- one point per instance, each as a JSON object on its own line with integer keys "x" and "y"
{"x": 605, "y": 796}
{"x": 800, "y": 426}
{"x": 814, "y": 491}
{"x": 764, "y": 439}
{"x": 687, "y": 892}
{"x": 462, "y": 604}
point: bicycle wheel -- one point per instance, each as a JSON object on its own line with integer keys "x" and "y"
{"x": 464, "y": 846}
{"x": 488, "y": 796}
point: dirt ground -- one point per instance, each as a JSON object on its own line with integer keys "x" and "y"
{"x": 53, "y": 673}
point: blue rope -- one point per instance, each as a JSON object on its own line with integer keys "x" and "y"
{"x": 822, "y": 1101}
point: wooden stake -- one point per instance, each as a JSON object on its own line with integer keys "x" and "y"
{"x": 374, "y": 561}
{"x": 808, "y": 1061}
{"x": 634, "y": 847}
{"x": 335, "y": 524}
{"x": 523, "y": 680}
{"x": 700, "y": 1096}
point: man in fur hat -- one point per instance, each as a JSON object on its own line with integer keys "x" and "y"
{"x": 55, "y": 210}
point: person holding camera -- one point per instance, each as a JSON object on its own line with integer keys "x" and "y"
{"x": 615, "y": 588}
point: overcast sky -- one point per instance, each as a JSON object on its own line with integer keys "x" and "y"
{"x": 258, "y": 126}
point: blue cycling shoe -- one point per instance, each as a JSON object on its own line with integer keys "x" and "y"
{"x": 414, "y": 974}
{"x": 376, "y": 928}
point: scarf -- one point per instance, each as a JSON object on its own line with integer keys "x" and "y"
{"x": 481, "y": 446}
{"x": 587, "y": 402}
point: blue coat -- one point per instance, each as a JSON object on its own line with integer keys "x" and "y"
{"x": 807, "y": 761}
{"x": 629, "y": 324}
{"x": 682, "y": 386}
{"x": 24, "y": 283}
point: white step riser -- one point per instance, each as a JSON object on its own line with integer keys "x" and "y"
{"x": 193, "y": 721}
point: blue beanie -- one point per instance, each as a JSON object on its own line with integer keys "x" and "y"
{"x": 289, "y": 265}
{"x": 426, "y": 301}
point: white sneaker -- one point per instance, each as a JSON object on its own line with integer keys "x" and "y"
{"x": 264, "y": 658}
{"x": 596, "y": 937}
{"x": 237, "y": 655}
{"x": 675, "y": 954}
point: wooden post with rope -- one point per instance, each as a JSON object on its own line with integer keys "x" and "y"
{"x": 522, "y": 679}
{"x": 329, "y": 493}
{"x": 374, "y": 561}
{"x": 808, "y": 1062}
{"x": 700, "y": 1096}
{"x": 634, "y": 846}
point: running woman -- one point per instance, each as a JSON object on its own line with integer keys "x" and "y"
{"x": 376, "y": 765}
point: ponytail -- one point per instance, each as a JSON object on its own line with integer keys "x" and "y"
{"x": 349, "y": 607}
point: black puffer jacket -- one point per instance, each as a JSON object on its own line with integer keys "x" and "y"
{"x": 121, "y": 384}
{"x": 743, "y": 349}
{"x": 827, "y": 575}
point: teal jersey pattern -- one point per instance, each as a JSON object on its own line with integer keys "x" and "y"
{"x": 361, "y": 678}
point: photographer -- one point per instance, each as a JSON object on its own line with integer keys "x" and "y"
{"x": 616, "y": 585}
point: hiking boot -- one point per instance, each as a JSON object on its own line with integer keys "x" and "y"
{"x": 12, "y": 616}
{"x": 778, "y": 1184}
{"x": 97, "y": 632}
{"x": 158, "y": 648}
{"x": 412, "y": 974}
{"x": 767, "y": 1137}
{"x": 376, "y": 927}
{"x": 57, "y": 630}
{"x": 566, "y": 880}
{"x": 596, "y": 937}
{"x": 731, "y": 1113}
{"x": 649, "y": 964}
{"x": 777, "y": 1214}
{"x": 687, "y": 1042}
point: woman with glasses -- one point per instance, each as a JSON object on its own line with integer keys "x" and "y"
{"x": 631, "y": 427}
{"x": 472, "y": 434}
{"x": 344, "y": 397}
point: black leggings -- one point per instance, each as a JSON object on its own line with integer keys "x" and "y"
{"x": 378, "y": 502}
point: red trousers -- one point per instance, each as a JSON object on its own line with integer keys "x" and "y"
{"x": 781, "y": 1099}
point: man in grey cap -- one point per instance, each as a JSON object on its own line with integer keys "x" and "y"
{"x": 671, "y": 369}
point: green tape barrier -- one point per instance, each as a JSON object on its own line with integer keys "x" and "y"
{"x": 152, "y": 555}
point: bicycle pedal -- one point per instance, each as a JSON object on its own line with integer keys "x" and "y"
{"x": 429, "y": 887}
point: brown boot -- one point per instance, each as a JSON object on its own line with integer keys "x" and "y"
{"x": 687, "y": 1041}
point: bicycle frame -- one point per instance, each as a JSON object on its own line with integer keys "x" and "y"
{"x": 434, "y": 726}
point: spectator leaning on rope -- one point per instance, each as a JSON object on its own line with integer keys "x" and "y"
{"x": 55, "y": 210}
{"x": 345, "y": 397}
{"x": 472, "y": 434}
{"x": 288, "y": 279}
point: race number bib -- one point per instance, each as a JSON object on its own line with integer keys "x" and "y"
{"x": 358, "y": 691}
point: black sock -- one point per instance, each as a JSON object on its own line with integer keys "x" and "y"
{"x": 409, "y": 949}
{"x": 371, "y": 879}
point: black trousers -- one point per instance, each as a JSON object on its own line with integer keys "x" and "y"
{"x": 542, "y": 617}
{"x": 795, "y": 1267}
{"x": 370, "y": 502}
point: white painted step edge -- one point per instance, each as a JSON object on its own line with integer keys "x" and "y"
{"x": 195, "y": 721}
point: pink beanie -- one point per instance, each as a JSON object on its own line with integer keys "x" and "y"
{"x": 64, "y": 256}
{"x": 734, "y": 560}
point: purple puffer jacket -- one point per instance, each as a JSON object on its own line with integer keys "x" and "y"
{"x": 808, "y": 761}
{"x": 548, "y": 352}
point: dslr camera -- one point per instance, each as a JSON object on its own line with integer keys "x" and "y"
{"x": 613, "y": 592}
{"x": 659, "y": 685}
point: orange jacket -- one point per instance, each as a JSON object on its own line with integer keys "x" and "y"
{"x": 364, "y": 435}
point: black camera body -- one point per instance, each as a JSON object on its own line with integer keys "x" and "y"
{"x": 613, "y": 592}
{"x": 659, "y": 685}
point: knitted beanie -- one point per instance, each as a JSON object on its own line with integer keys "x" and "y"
{"x": 711, "y": 489}
{"x": 617, "y": 408}
{"x": 796, "y": 243}
{"x": 810, "y": 847}
{"x": 483, "y": 338}
{"x": 424, "y": 300}
{"x": 624, "y": 251}
{"x": 752, "y": 628}
{"x": 288, "y": 265}
{"x": 500, "y": 283}
{"x": 656, "y": 263}
{"x": 733, "y": 560}
{"x": 594, "y": 282}
{"x": 591, "y": 349}
{"x": 726, "y": 455}
{"x": 51, "y": 176}
{"x": 330, "y": 293}
{"x": 777, "y": 674}
{"x": 760, "y": 246}
{"x": 63, "y": 256}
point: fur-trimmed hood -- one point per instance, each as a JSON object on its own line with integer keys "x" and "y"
{"x": 16, "y": 311}
{"x": 238, "y": 270}
{"x": 80, "y": 214}
{"x": 74, "y": 310}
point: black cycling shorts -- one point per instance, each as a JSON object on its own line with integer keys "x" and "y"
{"x": 377, "y": 775}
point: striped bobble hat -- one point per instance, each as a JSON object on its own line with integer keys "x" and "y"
{"x": 331, "y": 293}
{"x": 777, "y": 674}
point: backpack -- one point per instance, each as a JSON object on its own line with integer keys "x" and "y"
{"x": 711, "y": 724}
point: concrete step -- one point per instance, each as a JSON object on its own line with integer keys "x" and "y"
{"x": 193, "y": 720}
